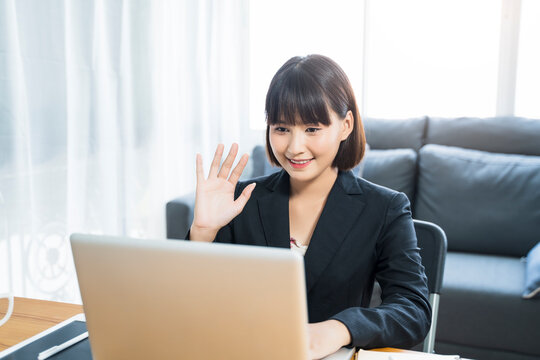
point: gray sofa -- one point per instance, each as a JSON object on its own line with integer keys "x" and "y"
{"x": 479, "y": 179}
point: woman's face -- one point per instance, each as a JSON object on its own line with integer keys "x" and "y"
{"x": 307, "y": 152}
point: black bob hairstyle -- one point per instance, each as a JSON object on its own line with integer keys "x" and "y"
{"x": 307, "y": 88}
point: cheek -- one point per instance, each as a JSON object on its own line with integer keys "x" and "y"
{"x": 326, "y": 144}
{"x": 276, "y": 143}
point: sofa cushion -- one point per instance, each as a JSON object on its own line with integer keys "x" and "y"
{"x": 481, "y": 304}
{"x": 393, "y": 168}
{"x": 480, "y": 353}
{"x": 532, "y": 274}
{"x": 486, "y": 203}
{"x": 395, "y": 134}
{"x": 510, "y": 135}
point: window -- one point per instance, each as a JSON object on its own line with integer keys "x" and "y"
{"x": 407, "y": 58}
{"x": 528, "y": 69}
{"x": 436, "y": 58}
{"x": 282, "y": 29}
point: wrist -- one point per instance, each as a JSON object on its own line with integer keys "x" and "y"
{"x": 197, "y": 233}
{"x": 341, "y": 332}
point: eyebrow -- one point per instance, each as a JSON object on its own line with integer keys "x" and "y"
{"x": 282, "y": 123}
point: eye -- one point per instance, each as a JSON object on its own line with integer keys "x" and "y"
{"x": 312, "y": 130}
{"x": 280, "y": 129}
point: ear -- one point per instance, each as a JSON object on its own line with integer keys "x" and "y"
{"x": 347, "y": 125}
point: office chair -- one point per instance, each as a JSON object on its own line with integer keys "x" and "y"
{"x": 432, "y": 243}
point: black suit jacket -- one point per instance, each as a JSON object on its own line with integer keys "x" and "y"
{"x": 365, "y": 232}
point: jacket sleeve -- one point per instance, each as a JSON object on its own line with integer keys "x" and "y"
{"x": 404, "y": 316}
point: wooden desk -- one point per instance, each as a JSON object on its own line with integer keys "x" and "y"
{"x": 30, "y": 317}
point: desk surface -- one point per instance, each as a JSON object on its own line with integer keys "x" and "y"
{"x": 32, "y": 316}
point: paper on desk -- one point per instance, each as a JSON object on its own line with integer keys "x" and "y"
{"x": 377, "y": 355}
{"x": 342, "y": 354}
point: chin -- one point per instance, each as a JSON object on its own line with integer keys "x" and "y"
{"x": 301, "y": 175}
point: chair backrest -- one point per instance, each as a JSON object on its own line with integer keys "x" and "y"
{"x": 432, "y": 243}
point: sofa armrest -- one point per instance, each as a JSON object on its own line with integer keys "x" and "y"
{"x": 179, "y": 216}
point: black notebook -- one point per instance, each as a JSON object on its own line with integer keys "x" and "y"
{"x": 79, "y": 351}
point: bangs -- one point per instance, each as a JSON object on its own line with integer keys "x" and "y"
{"x": 295, "y": 97}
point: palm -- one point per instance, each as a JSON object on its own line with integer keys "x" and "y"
{"x": 215, "y": 205}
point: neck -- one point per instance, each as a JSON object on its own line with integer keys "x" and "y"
{"x": 318, "y": 187}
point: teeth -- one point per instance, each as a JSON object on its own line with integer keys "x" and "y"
{"x": 299, "y": 162}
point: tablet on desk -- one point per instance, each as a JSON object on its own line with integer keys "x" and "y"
{"x": 54, "y": 336}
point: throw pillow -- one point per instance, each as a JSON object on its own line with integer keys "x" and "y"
{"x": 393, "y": 168}
{"x": 532, "y": 274}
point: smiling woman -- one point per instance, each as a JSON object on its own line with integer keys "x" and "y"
{"x": 349, "y": 230}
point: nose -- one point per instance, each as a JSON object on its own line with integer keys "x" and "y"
{"x": 296, "y": 144}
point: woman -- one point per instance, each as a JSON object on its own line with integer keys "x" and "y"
{"x": 350, "y": 230}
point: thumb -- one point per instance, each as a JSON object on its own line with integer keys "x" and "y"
{"x": 243, "y": 198}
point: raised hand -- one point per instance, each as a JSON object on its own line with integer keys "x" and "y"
{"x": 215, "y": 206}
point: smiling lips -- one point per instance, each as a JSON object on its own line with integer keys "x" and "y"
{"x": 299, "y": 164}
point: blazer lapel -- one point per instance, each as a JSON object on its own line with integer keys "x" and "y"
{"x": 340, "y": 212}
{"x": 274, "y": 212}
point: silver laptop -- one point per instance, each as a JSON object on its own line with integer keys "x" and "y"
{"x": 166, "y": 299}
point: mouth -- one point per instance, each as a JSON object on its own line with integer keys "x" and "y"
{"x": 299, "y": 164}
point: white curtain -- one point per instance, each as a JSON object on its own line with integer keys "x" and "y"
{"x": 103, "y": 106}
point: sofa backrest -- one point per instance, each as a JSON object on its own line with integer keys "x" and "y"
{"x": 394, "y": 146}
{"x": 395, "y": 134}
{"x": 507, "y": 135}
{"x": 488, "y": 202}
{"x": 485, "y": 202}
{"x": 393, "y": 168}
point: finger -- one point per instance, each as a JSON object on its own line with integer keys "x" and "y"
{"x": 215, "y": 162}
{"x": 237, "y": 172}
{"x": 227, "y": 164}
{"x": 242, "y": 200}
{"x": 199, "y": 168}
